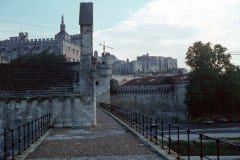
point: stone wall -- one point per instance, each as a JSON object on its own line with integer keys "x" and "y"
{"x": 165, "y": 102}
{"x": 14, "y": 113}
{"x": 65, "y": 111}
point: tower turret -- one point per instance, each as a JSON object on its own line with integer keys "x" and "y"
{"x": 62, "y": 25}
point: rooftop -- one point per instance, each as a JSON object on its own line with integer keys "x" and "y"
{"x": 37, "y": 78}
{"x": 160, "y": 79}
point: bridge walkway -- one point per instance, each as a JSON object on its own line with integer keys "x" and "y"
{"x": 107, "y": 141}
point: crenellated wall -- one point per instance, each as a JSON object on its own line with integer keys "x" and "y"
{"x": 165, "y": 102}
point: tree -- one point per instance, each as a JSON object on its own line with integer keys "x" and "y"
{"x": 40, "y": 58}
{"x": 208, "y": 67}
{"x": 231, "y": 90}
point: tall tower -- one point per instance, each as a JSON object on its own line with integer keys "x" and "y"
{"x": 105, "y": 75}
{"x": 87, "y": 107}
{"x": 62, "y": 25}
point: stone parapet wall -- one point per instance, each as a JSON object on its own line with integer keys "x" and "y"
{"x": 142, "y": 90}
{"x": 165, "y": 102}
{"x": 18, "y": 112}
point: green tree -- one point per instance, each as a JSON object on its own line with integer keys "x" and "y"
{"x": 208, "y": 65}
{"x": 231, "y": 91}
{"x": 40, "y": 58}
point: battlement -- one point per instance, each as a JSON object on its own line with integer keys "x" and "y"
{"x": 15, "y": 39}
{"x": 42, "y": 40}
{"x": 131, "y": 90}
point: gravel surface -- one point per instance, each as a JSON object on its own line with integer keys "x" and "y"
{"x": 107, "y": 141}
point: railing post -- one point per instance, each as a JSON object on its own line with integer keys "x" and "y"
{"x": 138, "y": 122}
{"x": 162, "y": 123}
{"x": 133, "y": 120}
{"x": 5, "y": 143}
{"x": 125, "y": 113}
{"x": 201, "y": 146}
{"x": 13, "y": 147}
{"x": 169, "y": 138}
{"x": 188, "y": 144}
{"x": 41, "y": 123}
{"x": 19, "y": 140}
{"x": 35, "y": 121}
{"x": 48, "y": 120}
{"x": 24, "y": 137}
{"x": 28, "y": 129}
{"x": 146, "y": 135}
{"x": 156, "y": 132}
{"x": 32, "y": 132}
{"x": 128, "y": 117}
{"x": 39, "y": 128}
{"x": 143, "y": 125}
{"x": 44, "y": 124}
{"x": 218, "y": 149}
{"x": 178, "y": 143}
{"x": 151, "y": 130}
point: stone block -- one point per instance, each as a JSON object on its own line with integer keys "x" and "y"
{"x": 86, "y": 14}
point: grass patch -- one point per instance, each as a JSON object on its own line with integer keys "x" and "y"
{"x": 209, "y": 148}
{"x": 232, "y": 138}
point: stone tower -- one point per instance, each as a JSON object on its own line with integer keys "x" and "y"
{"x": 104, "y": 77}
{"x": 85, "y": 114}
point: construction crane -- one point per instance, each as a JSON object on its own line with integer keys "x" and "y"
{"x": 104, "y": 46}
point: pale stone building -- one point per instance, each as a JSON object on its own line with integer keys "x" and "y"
{"x": 145, "y": 64}
{"x": 63, "y": 43}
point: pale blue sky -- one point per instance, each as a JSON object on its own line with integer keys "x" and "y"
{"x": 41, "y": 18}
{"x": 132, "y": 27}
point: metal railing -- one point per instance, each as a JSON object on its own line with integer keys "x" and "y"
{"x": 19, "y": 139}
{"x": 182, "y": 141}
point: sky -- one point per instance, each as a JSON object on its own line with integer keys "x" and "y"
{"x": 132, "y": 27}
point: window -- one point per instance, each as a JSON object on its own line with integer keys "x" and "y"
{"x": 97, "y": 83}
{"x": 73, "y": 51}
{"x": 68, "y": 49}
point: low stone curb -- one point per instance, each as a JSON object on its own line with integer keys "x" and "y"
{"x": 161, "y": 152}
{"x": 32, "y": 147}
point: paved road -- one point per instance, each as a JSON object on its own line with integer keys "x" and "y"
{"x": 107, "y": 141}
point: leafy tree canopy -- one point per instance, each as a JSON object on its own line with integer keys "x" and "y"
{"x": 213, "y": 81}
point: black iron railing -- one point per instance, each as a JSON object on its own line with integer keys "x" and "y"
{"x": 19, "y": 139}
{"x": 182, "y": 141}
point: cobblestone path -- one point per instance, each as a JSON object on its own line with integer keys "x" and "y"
{"x": 107, "y": 141}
